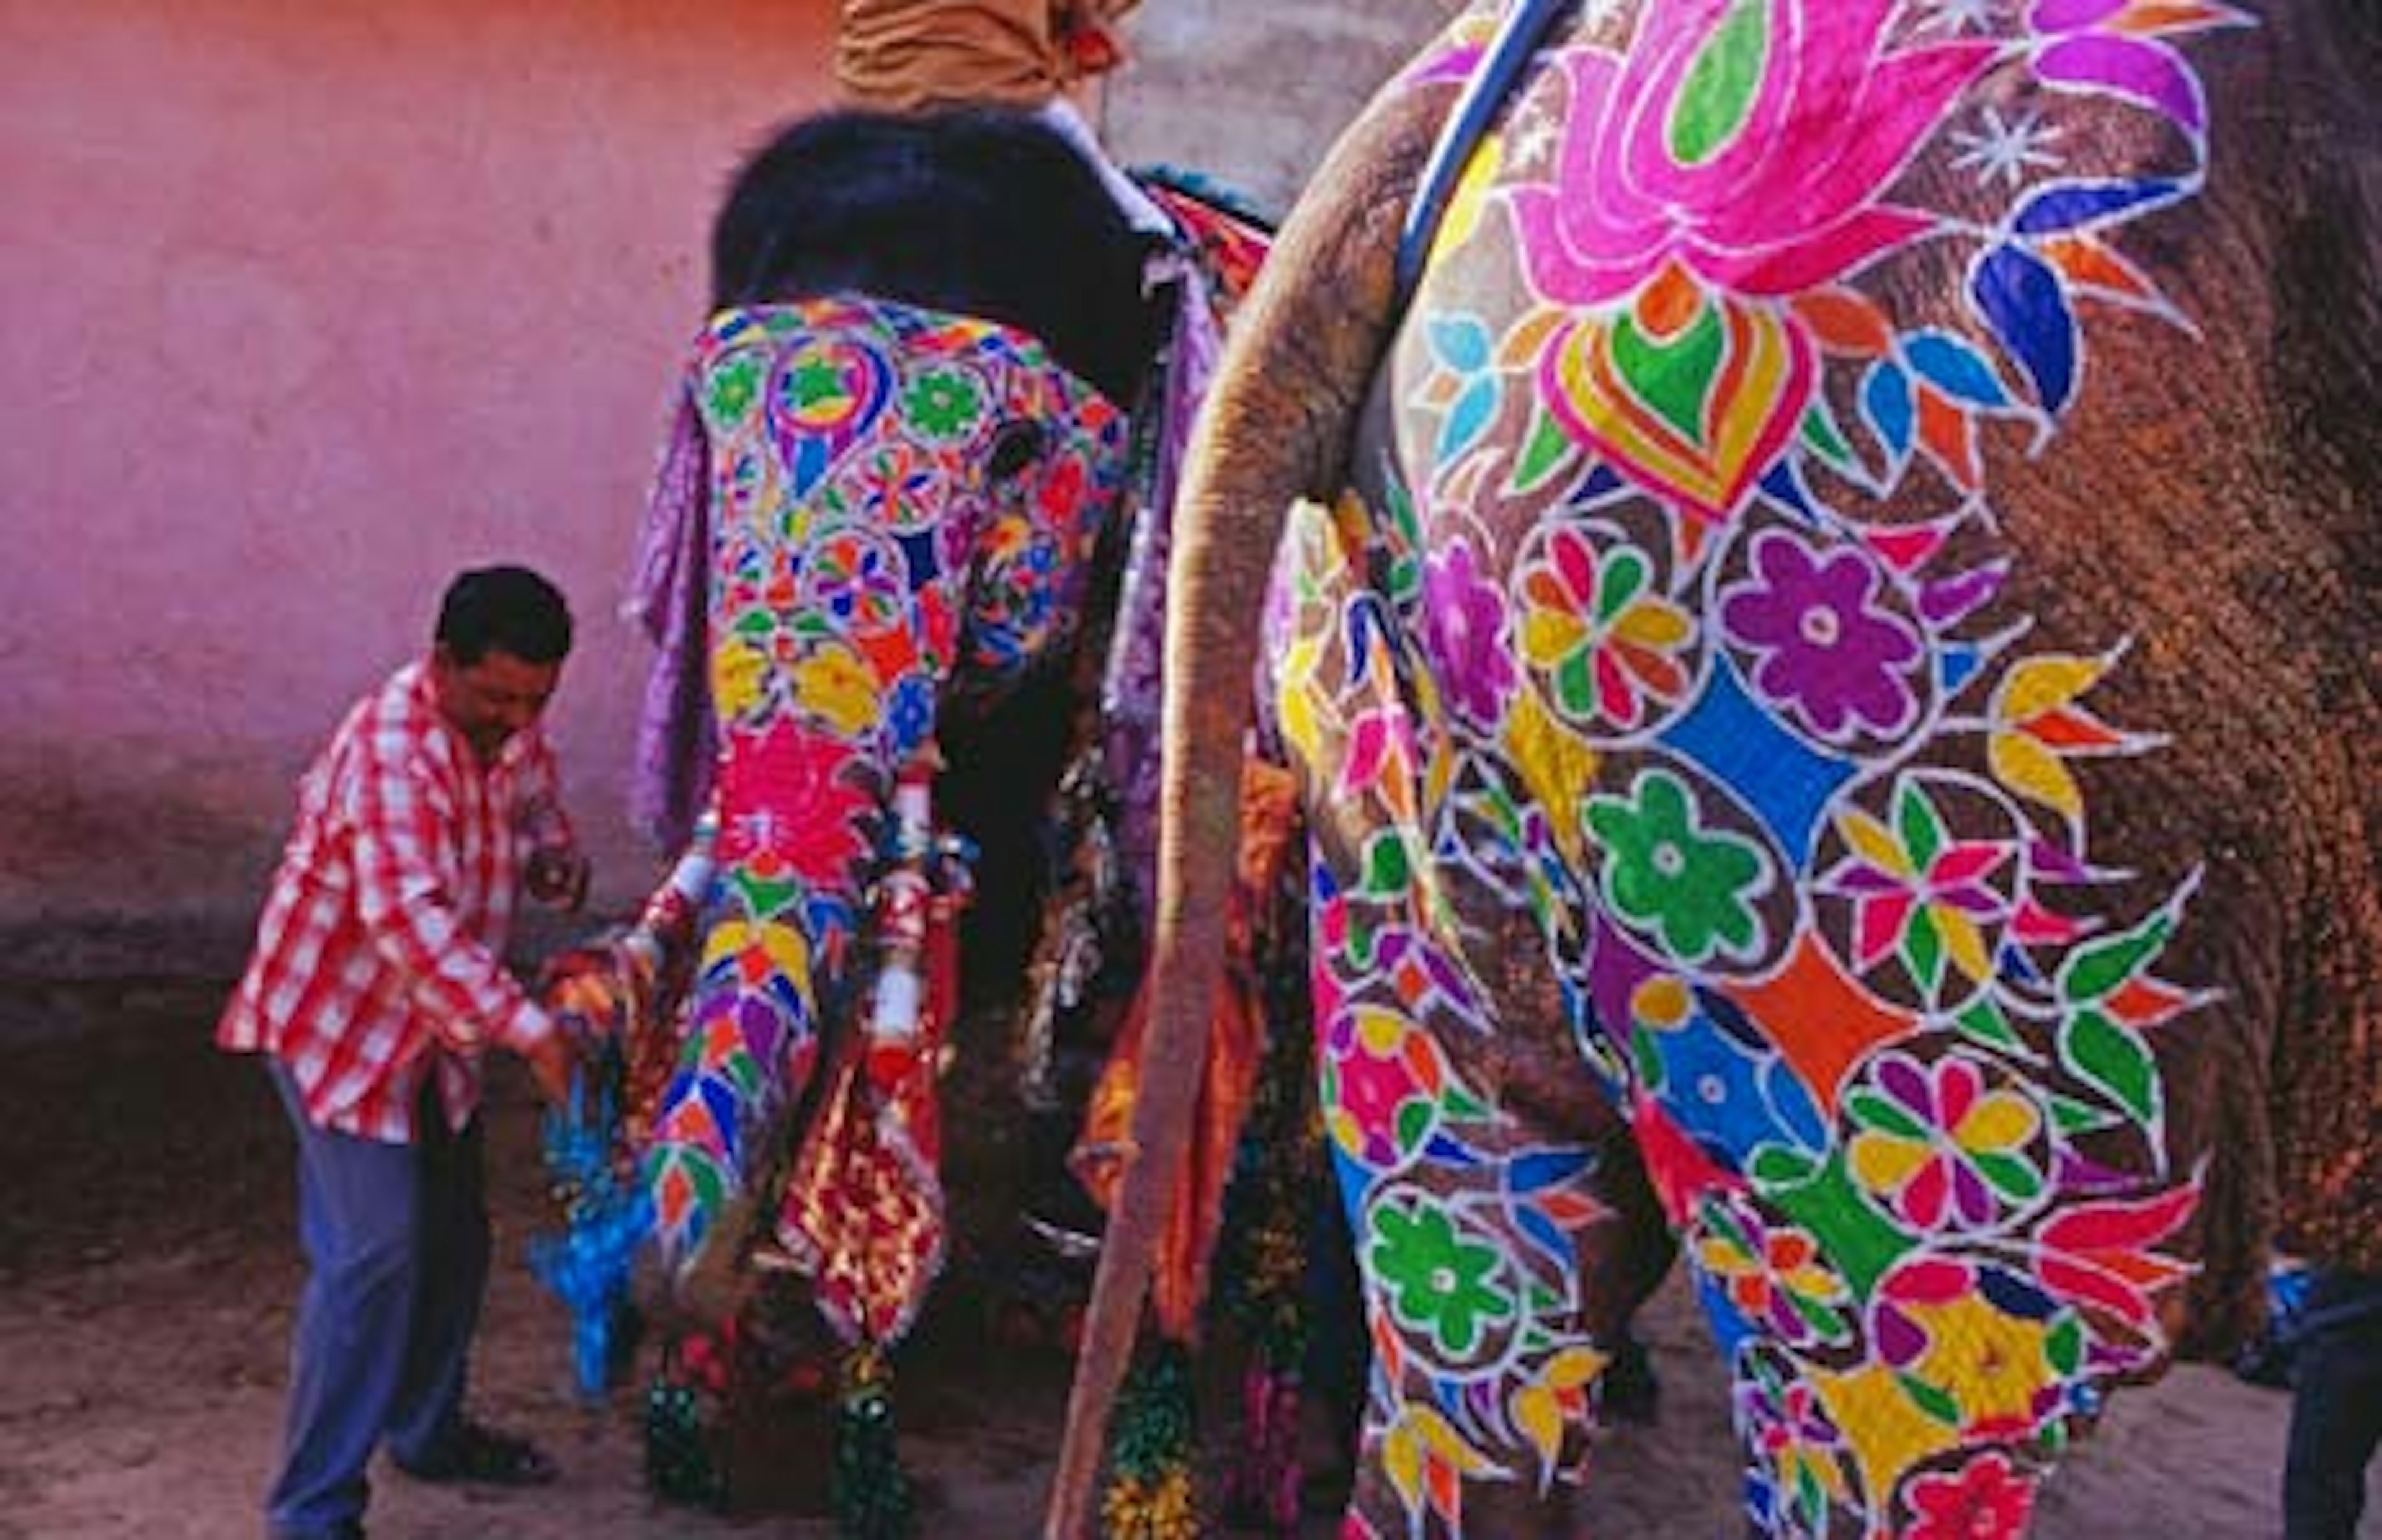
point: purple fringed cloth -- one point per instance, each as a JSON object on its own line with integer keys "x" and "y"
{"x": 1218, "y": 248}
{"x": 677, "y": 745}
{"x": 1135, "y": 679}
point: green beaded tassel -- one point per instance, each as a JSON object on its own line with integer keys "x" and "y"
{"x": 873, "y": 1496}
{"x": 679, "y": 1467}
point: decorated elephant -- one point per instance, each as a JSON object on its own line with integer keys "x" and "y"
{"x": 903, "y": 483}
{"x": 902, "y": 432}
{"x": 1818, "y": 567}
{"x": 902, "y": 436}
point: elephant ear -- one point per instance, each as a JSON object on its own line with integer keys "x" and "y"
{"x": 677, "y": 742}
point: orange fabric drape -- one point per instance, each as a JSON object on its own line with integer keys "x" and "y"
{"x": 1236, "y": 1043}
{"x": 905, "y": 54}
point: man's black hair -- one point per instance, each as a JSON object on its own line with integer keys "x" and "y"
{"x": 509, "y": 609}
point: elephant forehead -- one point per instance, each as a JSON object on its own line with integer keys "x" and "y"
{"x": 837, "y": 365}
{"x": 893, "y": 415}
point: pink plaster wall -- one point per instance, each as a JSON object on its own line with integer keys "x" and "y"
{"x": 303, "y": 305}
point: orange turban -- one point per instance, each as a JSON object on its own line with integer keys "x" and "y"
{"x": 910, "y": 54}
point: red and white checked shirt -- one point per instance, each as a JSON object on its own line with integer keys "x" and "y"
{"x": 379, "y": 956}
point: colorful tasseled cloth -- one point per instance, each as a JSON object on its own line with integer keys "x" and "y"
{"x": 1238, "y": 1041}
{"x": 1221, "y": 249}
{"x": 1227, "y": 240}
{"x": 863, "y": 1210}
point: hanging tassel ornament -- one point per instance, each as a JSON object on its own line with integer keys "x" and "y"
{"x": 679, "y": 1466}
{"x": 873, "y": 1496}
{"x": 606, "y": 1215}
{"x": 1263, "y": 1486}
{"x": 1150, "y": 1494}
{"x": 1279, "y": 1179}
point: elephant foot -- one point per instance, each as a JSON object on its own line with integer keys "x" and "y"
{"x": 738, "y": 1418}
{"x": 680, "y": 1466}
{"x": 1506, "y": 1510}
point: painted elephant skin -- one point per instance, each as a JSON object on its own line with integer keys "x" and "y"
{"x": 901, "y": 434}
{"x": 1834, "y": 630}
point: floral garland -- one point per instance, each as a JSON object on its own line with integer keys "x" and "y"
{"x": 1151, "y": 1492}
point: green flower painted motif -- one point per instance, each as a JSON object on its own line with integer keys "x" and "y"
{"x": 942, "y": 403}
{"x": 734, "y": 385}
{"x": 1665, "y": 874}
{"x": 813, "y": 381}
{"x": 1439, "y": 1282}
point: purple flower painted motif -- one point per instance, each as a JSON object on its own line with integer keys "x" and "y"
{"x": 1824, "y": 650}
{"x": 1465, "y": 619}
{"x": 2107, "y": 45}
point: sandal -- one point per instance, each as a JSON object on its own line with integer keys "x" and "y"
{"x": 479, "y": 1453}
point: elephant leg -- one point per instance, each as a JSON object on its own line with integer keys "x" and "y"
{"x": 1503, "y": 1231}
{"x": 1637, "y": 1256}
{"x": 1447, "y": 1260}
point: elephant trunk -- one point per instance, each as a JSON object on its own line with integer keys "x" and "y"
{"x": 793, "y": 851}
{"x": 1276, "y": 427}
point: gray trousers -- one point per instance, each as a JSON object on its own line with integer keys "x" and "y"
{"x": 396, "y": 1248}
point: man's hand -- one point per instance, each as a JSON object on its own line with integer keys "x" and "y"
{"x": 556, "y": 874}
{"x": 550, "y": 1062}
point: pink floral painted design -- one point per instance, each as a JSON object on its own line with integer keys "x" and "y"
{"x": 1750, "y": 142}
{"x": 1984, "y": 1499}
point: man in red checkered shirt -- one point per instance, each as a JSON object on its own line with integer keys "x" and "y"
{"x": 376, "y": 988}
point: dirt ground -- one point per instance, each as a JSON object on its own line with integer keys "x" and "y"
{"x": 148, "y": 1271}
